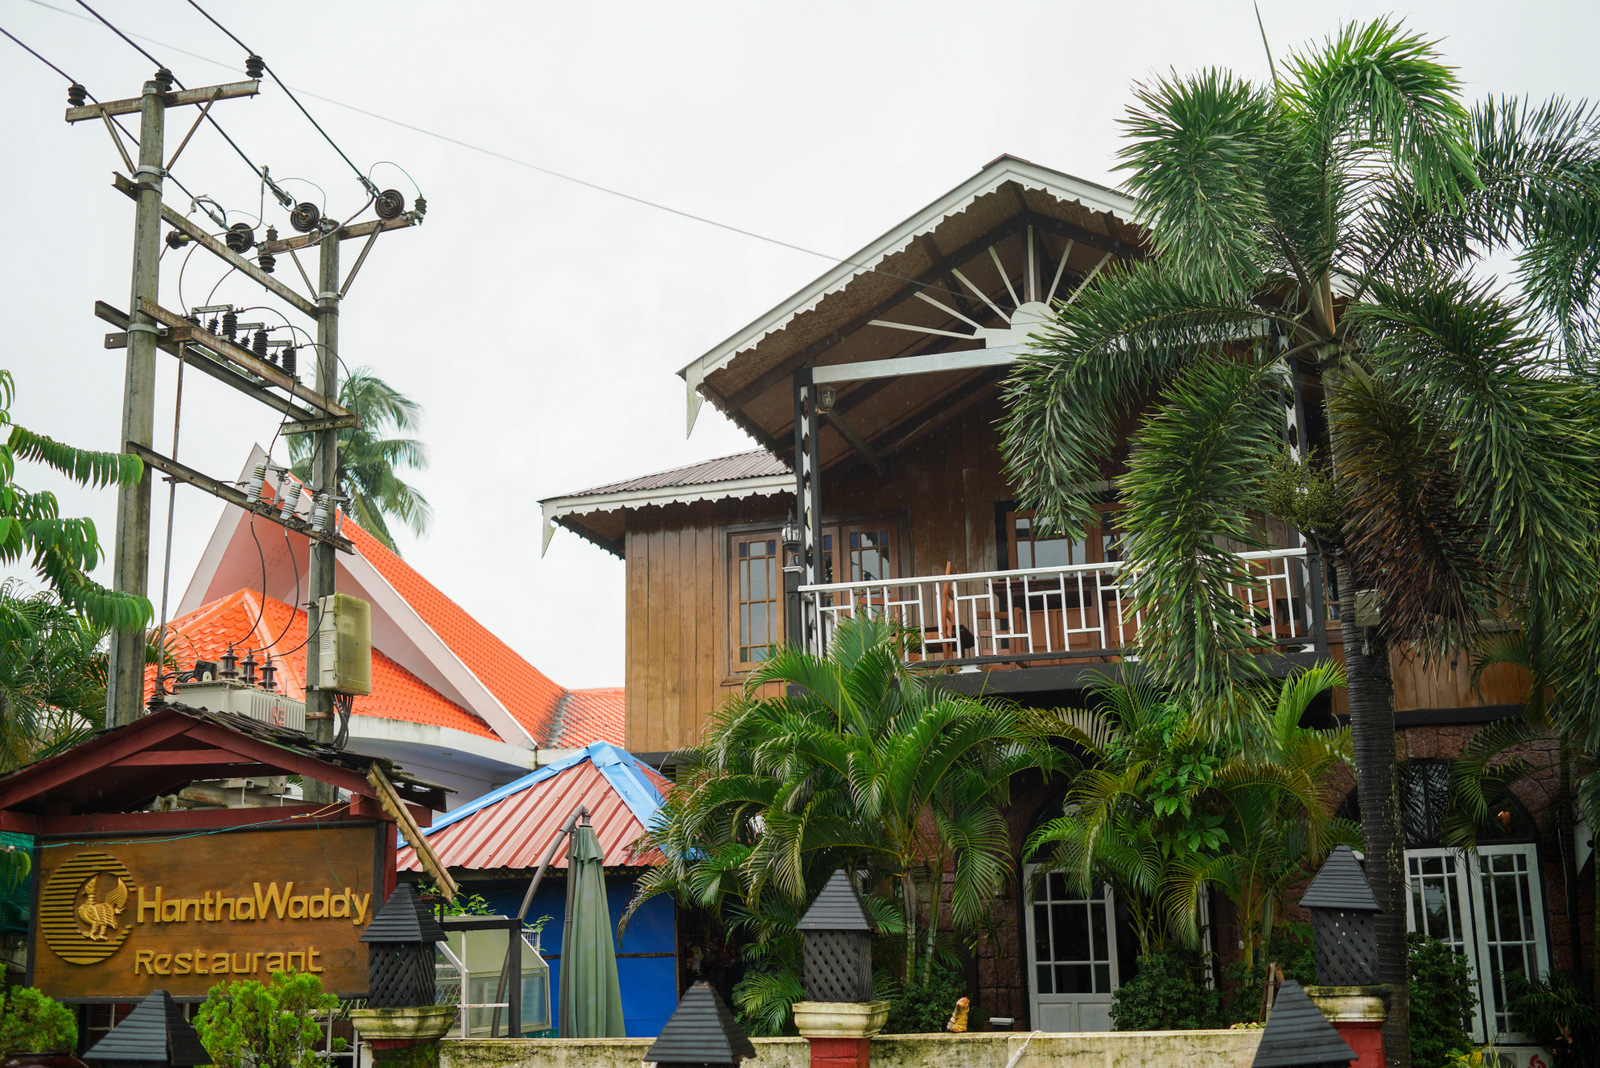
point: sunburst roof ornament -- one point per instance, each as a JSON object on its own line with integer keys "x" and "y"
{"x": 1030, "y": 310}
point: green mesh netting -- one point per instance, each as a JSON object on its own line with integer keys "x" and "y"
{"x": 16, "y": 887}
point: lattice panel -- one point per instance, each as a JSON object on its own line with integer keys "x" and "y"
{"x": 838, "y": 966}
{"x": 400, "y": 975}
{"x": 1346, "y": 947}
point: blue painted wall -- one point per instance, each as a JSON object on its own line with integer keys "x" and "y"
{"x": 649, "y": 984}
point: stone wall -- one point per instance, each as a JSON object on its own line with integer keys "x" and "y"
{"x": 1121, "y": 1049}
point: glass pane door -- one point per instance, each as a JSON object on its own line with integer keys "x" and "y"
{"x": 1072, "y": 956}
{"x": 1511, "y": 927}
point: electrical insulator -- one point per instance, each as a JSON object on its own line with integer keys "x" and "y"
{"x": 305, "y": 217}
{"x": 212, "y": 325}
{"x": 258, "y": 344}
{"x": 177, "y": 239}
{"x": 389, "y": 204}
{"x": 77, "y": 95}
{"x": 258, "y": 480}
{"x": 264, "y": 259}
{"x": 291, "y": 500}
{"x": 254, "y": 66}
{"x": 230, "y": 664}
{"x": 269, "y": 675}
{"x": 240, "y": 238}
{"x": 420, "y": 205}
{"x": 250, "y": 667}
{"x": 319, "y": 510}
{"x": 164, "y": 79}
{"x": 290, "y": 360}
{"x": 192, "y": 319}
{"x": 230, "y": 325}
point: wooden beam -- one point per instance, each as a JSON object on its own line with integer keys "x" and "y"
{"x": 26, "y": 783}
{"x": 932, "y": 363}
{"x": 361, "y": 229}
{"x": 856, "y": 443}
{"x": 183, "y": 329}
{"x": 413, "y": 834}
{"x": 223, "y": 252}
{"x": 235, "y": 496}
{"x": 178, "y": 99}
{"x": 160, "y": 758}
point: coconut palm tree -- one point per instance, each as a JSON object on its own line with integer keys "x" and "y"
{"x": 1315, "y": 243}
{"x": 856, "y": 763}
{"x": 368, "y": 458}
{"x": 52, "y": 678}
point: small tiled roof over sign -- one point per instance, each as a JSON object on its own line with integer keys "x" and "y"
{"x": 510, "y": 828}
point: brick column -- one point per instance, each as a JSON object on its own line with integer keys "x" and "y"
{"x": 1357, "y": 1013}
{"x": 840, "y": 1032}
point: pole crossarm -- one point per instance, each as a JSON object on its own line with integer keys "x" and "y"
{"x": 235, "y": 496}
{"x": 183, "y": 330}
{"x": 172, "y": 100}
{"x": 361, "y": 229}
{"x": 208, "y": 363}
{"x": 223, "y": 252}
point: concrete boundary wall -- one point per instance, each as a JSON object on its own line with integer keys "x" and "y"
{"x": 1102, "y": 1049}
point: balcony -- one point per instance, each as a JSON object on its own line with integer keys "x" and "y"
{"x": 1053, "y": 616}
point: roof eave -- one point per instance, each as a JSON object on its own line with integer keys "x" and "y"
{"x": 566, "y": 510}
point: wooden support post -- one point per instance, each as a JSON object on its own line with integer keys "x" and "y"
{"x": 131, "y": 553}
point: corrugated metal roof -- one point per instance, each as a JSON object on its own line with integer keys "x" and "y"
{"x": 510, "y": 828}
{"x": 754, "y": 464}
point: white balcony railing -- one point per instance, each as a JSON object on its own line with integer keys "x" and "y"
{"x": 1048, "y": 613}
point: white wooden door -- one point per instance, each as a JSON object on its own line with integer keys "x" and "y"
{"x": 1072, "y": 958}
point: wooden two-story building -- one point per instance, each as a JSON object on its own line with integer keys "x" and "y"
{"x": 873, "y": 395}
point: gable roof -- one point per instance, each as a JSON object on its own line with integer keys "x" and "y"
{"x": 510, "y": 828}
{"x": 457, "y": 672}
{"x": 1004, "y": 212}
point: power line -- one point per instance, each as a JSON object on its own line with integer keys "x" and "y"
{"x": 365, "y": 181}
{"x": 551, "y": 172}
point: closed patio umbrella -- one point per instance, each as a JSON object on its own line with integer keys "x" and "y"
{"x": 591, "y": 997}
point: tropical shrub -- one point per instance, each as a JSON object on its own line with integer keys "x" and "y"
{"x": 856, "y": 764}
{"x": 1441, "y": 1002}
{"x": 1558, "y": 1013}
{"x": 1166, "y": 994}
{"x": 31, "y": 1022}
{"x": 921, "y": 1006}
{"x": 250, "y": 1024}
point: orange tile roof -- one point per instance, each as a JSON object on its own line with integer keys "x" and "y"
{"x": 247, "y": 621}
{"x": 586, "y": 716}
{"x": 526, "y": 692}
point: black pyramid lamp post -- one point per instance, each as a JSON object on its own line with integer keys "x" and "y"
{"x": 1344, "y": 915}
{"x": 839, "y": 1016}
{"x": 701, "y": 1033}
{"x": 400, "y": 1010}
{"x": 154, "y": 1033}
{"x": 1297, "y": 1035}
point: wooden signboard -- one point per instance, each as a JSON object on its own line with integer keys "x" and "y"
{"x": 120, "y": 916}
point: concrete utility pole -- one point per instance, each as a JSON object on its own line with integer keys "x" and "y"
{"x": 324, "y": 479}
{"x": 131, "y": 554}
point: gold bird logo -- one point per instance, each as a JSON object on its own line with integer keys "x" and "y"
{"x": 101, "y": 916}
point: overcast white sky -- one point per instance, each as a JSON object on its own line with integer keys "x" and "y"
{"x": 541, "y": 323}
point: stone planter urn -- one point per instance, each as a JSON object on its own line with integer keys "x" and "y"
{"x": 407, "y": 1026}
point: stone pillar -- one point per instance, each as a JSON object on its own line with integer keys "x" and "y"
{"x": 840, "y": 1032}
{"x": 1357, "y": 1013}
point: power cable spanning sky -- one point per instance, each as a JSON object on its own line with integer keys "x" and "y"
{"x": 611, "y": 192}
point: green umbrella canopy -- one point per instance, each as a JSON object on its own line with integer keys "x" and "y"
{"x": 591, "y": 997}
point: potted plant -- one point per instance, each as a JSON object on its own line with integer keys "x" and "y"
{"x": 36, "y": 1031}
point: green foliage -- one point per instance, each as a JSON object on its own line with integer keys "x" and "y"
{"x": 1166, "y": 994}
{"x": 1291, "y": 950}
{"x": 368, "y": 460}
{"x": 465, "y": 904}
{"x": 1303, "y": 493}
{"x": 1558, "y": 1013}
{"x": 52, "y": 677}
{"x": 1175, "y": 794}
{"x": 856, "y": 763}
{"x": 30, "y": 1022}
{"x": 765, "y": 996}
{"x": 249, "y": 1024}
{"x": 1442, "y": 1001}
{"x": 60, "y": 551}
{"x": 924, "y": 1006}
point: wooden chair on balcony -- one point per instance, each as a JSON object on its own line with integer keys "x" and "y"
{"x": 952, "y": 637}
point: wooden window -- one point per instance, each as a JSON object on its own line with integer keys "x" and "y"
{"x": 758, "y": 597}
{"x": 1033, "y": 543}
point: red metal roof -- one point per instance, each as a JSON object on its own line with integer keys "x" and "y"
{"x": 514, "y": 831}
{"x": 753, "y": 464}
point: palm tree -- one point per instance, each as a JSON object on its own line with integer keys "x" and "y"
{"x": 860, "y": 764}
{"x": 1314, "y": 241}
{"x": 367, "y": 459}
{"x": 52, "y": 678}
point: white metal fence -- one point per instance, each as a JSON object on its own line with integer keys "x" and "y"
{"x": 1049, "y": 613}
